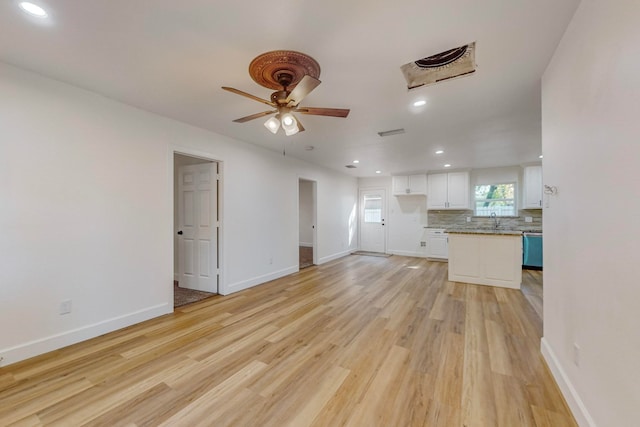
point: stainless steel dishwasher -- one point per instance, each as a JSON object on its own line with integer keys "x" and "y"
{"x": 532, "y": 250}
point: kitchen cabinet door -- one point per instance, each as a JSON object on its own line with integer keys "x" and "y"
{"x": 458, "y": 190}
{"x": 448, "y": 190}
{"x": 400, "y": 185}
{"x": 418, "y": 184}
{"x": 409, "y": 185}
{"x": 532, "y": 187}
{"x": 437, "y": 191}
{"x": 438, "y": 245}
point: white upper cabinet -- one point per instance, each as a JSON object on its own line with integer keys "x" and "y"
{"x": 448, "y": 190}
{"x": 458, "y": 183}
{"x": 409, "y": 185}
{"x": 532, "y": 187}
{"x": 437, "y": 192}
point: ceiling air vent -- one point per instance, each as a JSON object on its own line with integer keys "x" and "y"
{"x": 391, "y": 132}
{"x": 452, "y": 63}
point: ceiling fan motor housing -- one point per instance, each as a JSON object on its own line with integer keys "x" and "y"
{"x": 280, "y": 97}
{"x": 284, "y": 77}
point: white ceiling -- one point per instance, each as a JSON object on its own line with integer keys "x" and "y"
{"x": 172, "y": 57}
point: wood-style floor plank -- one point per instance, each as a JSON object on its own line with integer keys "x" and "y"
{"x": 360, "y": 341}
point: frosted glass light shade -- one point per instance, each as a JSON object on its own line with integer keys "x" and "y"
{"x": 291, "y": 131}
{"x": 273, "y": 124}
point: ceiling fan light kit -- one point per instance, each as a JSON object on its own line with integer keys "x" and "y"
{"x": 273, "y": 124}
{"x": 294, "y": 75}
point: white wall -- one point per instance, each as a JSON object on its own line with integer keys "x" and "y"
{"x": 305, "y": 223}
{"x": 406, "y": 219}
{"x": 590, "y": 105}
{"x": 495, "y": 175}
{"x": 86, "y": 194}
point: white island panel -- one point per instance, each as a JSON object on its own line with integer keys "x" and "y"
{"x": 486, "y": 259}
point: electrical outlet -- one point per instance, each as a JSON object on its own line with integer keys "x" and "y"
{"x": 576, "y": 354}
{"x": 423, "y": 244}
{"x": 65, "y": 307}
{"x": 468, "y": 219}
{"x": 528, "y": 219}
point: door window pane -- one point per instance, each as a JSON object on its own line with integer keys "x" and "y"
{"x": 373, "y": 208}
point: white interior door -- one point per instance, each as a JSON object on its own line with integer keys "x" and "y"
{"x": 197, "y": 235}
{"x": 372, "y": 215}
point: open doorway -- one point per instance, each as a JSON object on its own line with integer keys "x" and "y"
{"x": 306, "y": 223}
{"x": 196, "y": 248}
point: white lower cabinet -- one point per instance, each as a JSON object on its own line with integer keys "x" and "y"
{"x": 486, "y": 259}
{"x": 437, "y": 244}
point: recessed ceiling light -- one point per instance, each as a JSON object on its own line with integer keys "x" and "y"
{"x": 439, "y": 151}
{"x": 356, "y": 161}
{"x": 419, "y": 103}
{"x": 447, "y": 165}
{"x": 378, "y": 171}
{"x": 540, "y": 156}
{"x": 33, "y": 9}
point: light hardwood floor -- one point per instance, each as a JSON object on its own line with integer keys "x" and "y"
{"x": 361, "y": 341}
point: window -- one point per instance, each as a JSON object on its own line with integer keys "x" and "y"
{"x": 495, "y": 198}
{"x": 372, "y": 208}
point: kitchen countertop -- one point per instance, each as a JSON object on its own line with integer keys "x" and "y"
{"x": 485, "y": 230}
{"x": 499, "y": 231}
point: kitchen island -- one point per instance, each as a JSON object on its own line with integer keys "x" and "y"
{"x": 486, "y": 257}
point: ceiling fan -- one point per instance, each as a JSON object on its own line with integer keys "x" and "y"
{"x": 294, "y": 75}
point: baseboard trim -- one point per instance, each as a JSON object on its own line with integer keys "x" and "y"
{"x": 305, "y": 244}
{"x": 579, "y": 410}
{"x": 67, "y": 338}
{"x": 328, "y": 258}
{"x": 407, "y": 253}
{"x": 246, "y": 284}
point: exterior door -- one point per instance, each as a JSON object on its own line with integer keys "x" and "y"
{"x": 197, "y": 235}
{"x": 372, "y": 214}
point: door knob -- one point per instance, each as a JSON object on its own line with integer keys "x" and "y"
{"x": 180, "y": 232}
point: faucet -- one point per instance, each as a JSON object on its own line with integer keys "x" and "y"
{"x": 496, "y": 221}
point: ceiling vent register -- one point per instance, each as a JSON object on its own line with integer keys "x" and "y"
{"x": 391, "y": 132}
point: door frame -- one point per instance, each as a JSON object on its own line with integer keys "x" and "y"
{"x": 173, "y": 150}
{"x": 384, "y": 213}
{"x": 314, "y": 197}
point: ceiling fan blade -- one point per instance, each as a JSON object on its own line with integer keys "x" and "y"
{"x": 254, "y": 116}
{"x": 302, "y": 89}
{"x": 333, "y": 112}
{"x": 248, "y": 95}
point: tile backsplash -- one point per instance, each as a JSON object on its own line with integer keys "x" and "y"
{"x": 451, "y": 218}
